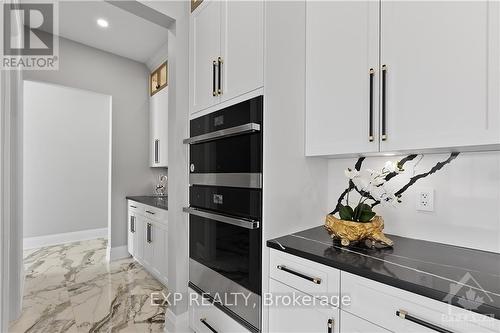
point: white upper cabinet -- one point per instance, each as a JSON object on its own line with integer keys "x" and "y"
{"x": 226, "y": 54}
{"x": 204, "y": 51}
{"x": 442, "y": 87}
{"x": 342, "y": 59}
{"x": 436, "y": 85}
{"x": 242, "y": 47}
{"x": 158, "y": 117}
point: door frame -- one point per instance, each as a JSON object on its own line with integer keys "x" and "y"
{"x": 11, "y": 230}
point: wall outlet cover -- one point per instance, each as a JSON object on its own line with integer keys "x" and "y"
{"x": 425, "y": 200}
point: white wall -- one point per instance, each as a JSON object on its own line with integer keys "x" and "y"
{"x": 66, "y": 159}
{"x": 127, "y": 82}
{"x": 466, "y": 205}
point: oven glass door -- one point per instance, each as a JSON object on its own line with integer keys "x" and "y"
{"x": 238, "y": 154}
{"x": 230, "y": 250}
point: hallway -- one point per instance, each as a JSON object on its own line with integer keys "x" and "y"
{"x": 71, "y": 288}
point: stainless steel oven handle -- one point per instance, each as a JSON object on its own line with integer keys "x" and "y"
{"x": 224, "y": 133}
{"x": 249, "y": 224}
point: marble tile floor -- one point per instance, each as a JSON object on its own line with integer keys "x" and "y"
{"x": 71, "y": 288}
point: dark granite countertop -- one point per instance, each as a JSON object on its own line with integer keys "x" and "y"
{"x": 425, "y": 268}
{"x": 151, "y": 200}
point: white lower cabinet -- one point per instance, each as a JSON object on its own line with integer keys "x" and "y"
{"x": 353, "y": 324}
{"x": 148, "y": 238}
{"x": 307, "y": 315}
{"x": 207, "y": 318}
{"x": 132, "y": 233}
{"x": 148, "y": 243}
{"x": 380, "y": 304}
{"x": 159, "y": 240}
{"x": 365, "y": 306}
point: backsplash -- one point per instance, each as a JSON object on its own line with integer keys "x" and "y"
{"x": 466, "y": 198}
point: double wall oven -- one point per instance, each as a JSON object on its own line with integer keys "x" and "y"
{"x": 225, "y": 212}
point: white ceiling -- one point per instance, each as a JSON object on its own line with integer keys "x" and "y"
{"x": 128, "y": 35}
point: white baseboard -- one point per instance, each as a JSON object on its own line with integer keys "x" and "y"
{"x": 117, "y": 252}
{"x": 177, "y": 323}
{"x": 68, "y": 237}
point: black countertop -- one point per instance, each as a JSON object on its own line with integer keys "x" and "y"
{"x": 425, "y": 268}
{"x": 150, "y": 200}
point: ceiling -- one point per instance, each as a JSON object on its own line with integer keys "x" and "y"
{"x": 128, "y": 35}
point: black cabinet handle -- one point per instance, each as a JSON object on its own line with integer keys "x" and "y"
{"x": 132, "y": 224}
{"x": 384, "y": 92}
{"x": 219, "y": 88}
{"x": 330, "y": 325}
{"x": 150, "y": 212}
{"x": 214, "y": 65}
{"x": 133, "y": 206}
{"x": 204, "y": 322}
{"x": 309, "y": 278}
{"x": 370, "y": 131}
{"x": 404, "y": 315}
{"x": 148, "y": 233}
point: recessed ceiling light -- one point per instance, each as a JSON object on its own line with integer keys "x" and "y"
{"x": 102, "y": 23}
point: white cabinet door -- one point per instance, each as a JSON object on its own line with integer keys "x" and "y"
{"x": 353, "y": 324}
{"x": 341, "y": 48}
{"x": 132, "y": 234}
{"x": 442, "y": 87}
{"x": 242, "y": 47}
{"x": 140, "y": 236}
{"x": 159, "y": 241}
{"x": 148, "y": 244}
{"x": 305, "y": 318}
{"x": 203, "y": 51}
{"x": 158, "y": 117}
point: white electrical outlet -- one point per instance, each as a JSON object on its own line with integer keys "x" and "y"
{"x": 425, "y": 200}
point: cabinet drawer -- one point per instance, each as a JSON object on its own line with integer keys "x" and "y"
{"x": 153, "y": 213}
{"x": 304, "y": 275}
{"x": 286, "y": 317}
{"x": 203, "y": 315}
{"x": 156, "y": 214}
{"x": 352, "y": 324}
{"x": 134, "y": 206}
{"x": 378, "y": 303}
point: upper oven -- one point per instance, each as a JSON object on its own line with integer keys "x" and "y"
{"x": 226, "y": 146}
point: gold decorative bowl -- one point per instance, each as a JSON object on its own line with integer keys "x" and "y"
{"x": 349, "y": 231}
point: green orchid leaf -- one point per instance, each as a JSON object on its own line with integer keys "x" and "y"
{"x": 366, "y": 216}
{"x": 360, "y": 212}
{"x": 346, "y": 213}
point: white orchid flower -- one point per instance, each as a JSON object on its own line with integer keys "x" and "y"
{"x": 351, "y": 174}
{"x": 392, "y": 166}
{"x": 362, "y": 184}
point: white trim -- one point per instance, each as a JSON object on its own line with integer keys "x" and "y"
{"x": 117, "y": 252}
{"x": 177, "y": 323}
{"x": 158, "y": 57}
{"x": 47, "y": 240}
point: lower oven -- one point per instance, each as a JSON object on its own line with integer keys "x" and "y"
{"x": 225, "y": 243}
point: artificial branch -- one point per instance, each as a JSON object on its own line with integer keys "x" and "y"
{"x": 434, "y": 169}
{"x": 357, "y": 167}
{"x": 414, "y": 179}
{"x": 398, "y": 194}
